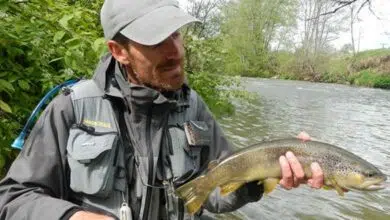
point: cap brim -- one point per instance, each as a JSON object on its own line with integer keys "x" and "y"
{"x": 156, "y": 26}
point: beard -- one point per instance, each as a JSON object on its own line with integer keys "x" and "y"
{"x": 164, "y": 77}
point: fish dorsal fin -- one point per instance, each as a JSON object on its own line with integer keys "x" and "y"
{"x": 212, "y": 164}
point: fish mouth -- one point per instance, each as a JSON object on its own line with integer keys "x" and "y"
{"x": 377, "y": 186}
{"x": 373, "y": 184}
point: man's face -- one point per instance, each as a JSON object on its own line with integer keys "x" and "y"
{"x": 159, "y": 66}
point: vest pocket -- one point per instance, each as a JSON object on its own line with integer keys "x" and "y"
{"x": 91, "y": 159}
{"x": 188, "y": 146}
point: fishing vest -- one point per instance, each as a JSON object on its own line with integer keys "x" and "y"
{"x": 108, "y": 176}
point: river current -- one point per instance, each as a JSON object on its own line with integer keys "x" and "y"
{"x": 355, "y": 118}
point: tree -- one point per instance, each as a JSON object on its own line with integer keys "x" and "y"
{"x": 352, "y": 22}
{"x": 347, "y": 49}
{"x": 249, "y": 28}
{"x": 205, "y": 58}
{"x": 207, "y": 11}
{"x": 338, "y": 5}
{"x": 319, "y": 29}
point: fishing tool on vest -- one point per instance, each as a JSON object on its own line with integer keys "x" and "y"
{"x": 125, "y": 211}
{"x": 19, "y": 141}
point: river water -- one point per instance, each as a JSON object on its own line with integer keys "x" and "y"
{"x": 357, "y": 119}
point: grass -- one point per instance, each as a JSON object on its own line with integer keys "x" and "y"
{"x": 371, "y": 54}
{"x": 371, "y": 78}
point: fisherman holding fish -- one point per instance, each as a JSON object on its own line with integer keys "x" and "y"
{"x": 123, "y": 144}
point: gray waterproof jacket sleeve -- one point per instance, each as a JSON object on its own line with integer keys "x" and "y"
{"x": 220, "y": 147}
{"x": 36, "y": 185}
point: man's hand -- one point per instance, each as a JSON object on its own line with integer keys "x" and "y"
{"x": 293, "y": 174}
{"x": 83, "y": 215}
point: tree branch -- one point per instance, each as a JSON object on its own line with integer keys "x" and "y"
{"x": 340, "y": 4}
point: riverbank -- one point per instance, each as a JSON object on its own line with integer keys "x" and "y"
{"x": 369, "y": 69}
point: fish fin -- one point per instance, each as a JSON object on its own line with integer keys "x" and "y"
{"x": 194, "y": 193}
{"x": 212, "y": 164}
{"x": 230, "y": 187}
{"x": 326, "y": 187}
{"x": 338, "y": 188}
{"x": 270, "y": 184}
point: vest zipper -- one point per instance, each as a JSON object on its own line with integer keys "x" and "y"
{"x": 151, "y": 163}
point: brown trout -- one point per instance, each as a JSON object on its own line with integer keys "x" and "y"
{"x": 260, "y": 162}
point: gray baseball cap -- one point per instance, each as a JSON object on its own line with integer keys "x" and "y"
{"x": 147, "y": 22}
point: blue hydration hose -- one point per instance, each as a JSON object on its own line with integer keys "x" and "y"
{"x": 19, "y": 141}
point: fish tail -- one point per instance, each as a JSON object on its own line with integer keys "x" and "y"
{"x": 194, "y": 193}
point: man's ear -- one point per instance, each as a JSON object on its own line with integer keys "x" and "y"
{"x": 119, "y": 52}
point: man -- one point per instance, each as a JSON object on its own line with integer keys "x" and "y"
{"x": 116, "y": 146}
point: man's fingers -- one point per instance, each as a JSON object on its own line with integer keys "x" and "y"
{"x": 317, "y": 180}
{"x": 293, "y": 174}
{"x": 295, "y": 166}
{"x": 287, "y": 180}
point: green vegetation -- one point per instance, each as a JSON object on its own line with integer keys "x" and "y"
{"x": 204, "y": 67}
{"x": 371, "y": 79}
{"x": 42, "y": 44}
{"x": 368, "y": 68}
